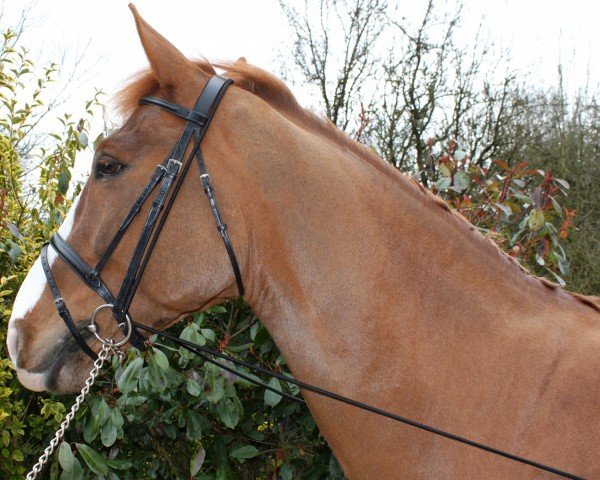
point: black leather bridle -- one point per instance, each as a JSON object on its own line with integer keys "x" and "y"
{"x": 169, "y": 175}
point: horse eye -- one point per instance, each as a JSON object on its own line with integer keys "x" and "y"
{"x": 108, "y": 168}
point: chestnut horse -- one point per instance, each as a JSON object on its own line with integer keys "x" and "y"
{"x": 370, "y": 286}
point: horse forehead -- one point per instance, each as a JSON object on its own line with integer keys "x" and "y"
{"x": 33, "y": 286}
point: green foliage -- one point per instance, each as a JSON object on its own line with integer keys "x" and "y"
{"x": 34, "y": 179}
{"x": 565, "y": 127}
{"x": 192, "y": 419}
{"x": 519, "y": 207}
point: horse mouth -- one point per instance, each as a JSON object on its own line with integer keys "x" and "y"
{"x": 45, "y": 376}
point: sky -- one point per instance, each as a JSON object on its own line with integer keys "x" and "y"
{"x": 102, "y": 35}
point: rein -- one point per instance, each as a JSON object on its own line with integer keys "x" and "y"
{"x": 170, "y": 175}
{"x": 208, "y": 354}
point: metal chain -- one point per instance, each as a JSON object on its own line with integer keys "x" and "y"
{"x": 107, "y": 349}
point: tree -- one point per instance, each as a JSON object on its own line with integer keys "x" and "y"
{"x": 443, "y": 114}
{"x": 319, "y": 31}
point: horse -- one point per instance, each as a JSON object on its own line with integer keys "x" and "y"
{"x": 369, "y": 284}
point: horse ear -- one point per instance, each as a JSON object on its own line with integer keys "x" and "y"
{"x": 168, "y": 64}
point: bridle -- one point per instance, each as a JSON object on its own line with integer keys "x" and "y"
{"x": 170, "y": 175}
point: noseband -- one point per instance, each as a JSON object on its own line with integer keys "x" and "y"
{"x": 169, "y": 175}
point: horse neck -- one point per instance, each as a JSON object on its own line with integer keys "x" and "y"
{"x": 349, "y": 260}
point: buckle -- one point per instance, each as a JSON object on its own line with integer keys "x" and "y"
{"x": 58, "y": 301}
{"x": 206, "y": 183}
{"x": 92, "y": 275}
{"x": 174, "y": 161}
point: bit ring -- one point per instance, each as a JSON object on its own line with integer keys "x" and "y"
{"x": 109, "y": 341}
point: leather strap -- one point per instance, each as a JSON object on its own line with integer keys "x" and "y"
{"x": 63, "y": 311}
{"x": 189, "y": 115}
{"x": 221, "y": 226}
{"x": 83, "y": 270}
{"x": 135, "y": 209}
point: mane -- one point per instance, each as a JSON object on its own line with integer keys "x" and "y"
{"x": 274, "y": 92}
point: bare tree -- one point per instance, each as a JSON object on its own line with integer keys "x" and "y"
{"x": 340, "y": 65}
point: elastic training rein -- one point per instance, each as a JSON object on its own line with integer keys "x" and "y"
{"x": 170, "y": 175}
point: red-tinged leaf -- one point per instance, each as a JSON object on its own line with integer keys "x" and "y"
{"x": 521, "y": 165}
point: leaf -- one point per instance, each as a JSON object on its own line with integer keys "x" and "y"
{"x": 119, "y": 464}
{"x": 271, "y": 398}
{"x": 196, "y": 461}
{"x": 217, "y": 309}
{"x": 443, "y": 183}
{"x": 558, "y": 278}
{"x": 294, "y": 389}
{"x": 243, "y": 453}
{"x": 286, "y": 472}
{"x": 161, "y": 358}
{"x": 193, "y": 387}
{"x": 194, "y": 426}
{"x": 246, "y": 383}
{"x": 563, "y": 264}
{"x": 93, "y": 459}
{"x": 215, "y": 382}
{"x": 65, "y": 456}
{"x": 131, "y": 375}
{"x": 157, "y": 376}
{"x": 108, "y": 434}
{"x": 224, "y": 473}
{"x": 99, "y": 139}
{"x": 63, "y": 181}
{"x": 504, "y": 208}
{"x": 262, "y": 336}
{"x": 82, "y": 138}
{"x": 461, "y": 181}
{"x": 131, "y": 400}
{"x": 208, "y": 334}
{"x": 76, "y": 472}
{"x": 536, "y": 219}
{"x": 15, "y": 252}
{"x": 556, "y": 206}
{"x": 14, "y": 230}
{"x": 17, "y": 455}
{"x": 459, "y": 155}
{"x": 101, "y": 414}
{"x": 191, "y": 334}
{"x": 562, "y": 183}
{"x": 228, "y": 412}
{"x": 116, "y": 418}
{"x": 444, "y": 170}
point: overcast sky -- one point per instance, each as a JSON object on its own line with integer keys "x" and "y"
{"x": 537, "y": 32}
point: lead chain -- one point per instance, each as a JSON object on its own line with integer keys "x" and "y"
{"x": 107, "y": 349}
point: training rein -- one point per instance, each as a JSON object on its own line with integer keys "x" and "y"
{"x": 170, "y": 175}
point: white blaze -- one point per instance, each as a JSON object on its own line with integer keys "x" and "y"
{"x": 27, "y": 297}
